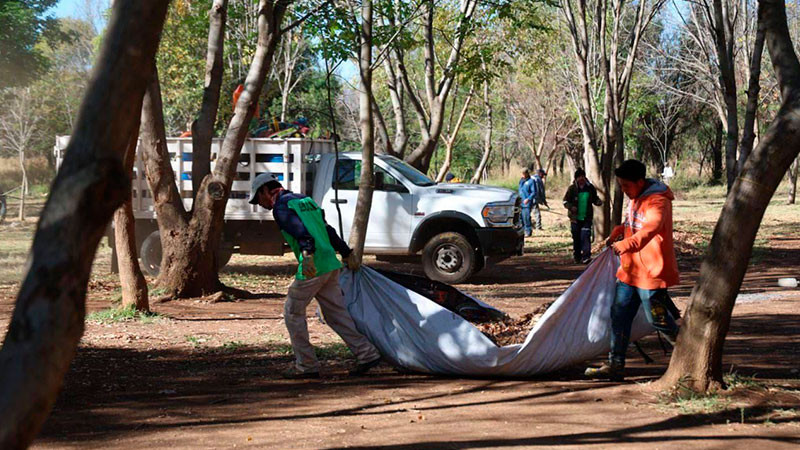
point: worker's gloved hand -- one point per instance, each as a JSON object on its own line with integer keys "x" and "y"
{"x": 352, "y": 262}
{"x": 309, "y": 269}
{"x": 616, "y": 248}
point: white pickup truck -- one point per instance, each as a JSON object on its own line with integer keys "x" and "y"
{"x": 455, "y": 228}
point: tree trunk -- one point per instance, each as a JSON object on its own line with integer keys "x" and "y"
{"x": 749, "y": 134}
{"x": 203, "y": 127}
{"x": 487, "y": 140}
{"x": 22, "y": 188}
{"x": 716, "y": 168}
{"x": 358, "y": 232}
{"x": 134, "y": 286}
{"x": 48, "y": 317}
{"x": 793, "y": 172}
{"x": 189, "y": 265}
{"x": 697, "y": 359}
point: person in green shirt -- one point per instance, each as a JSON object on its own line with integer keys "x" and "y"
{"x": 578, "y": 200}
{"x": 315, "y": 244}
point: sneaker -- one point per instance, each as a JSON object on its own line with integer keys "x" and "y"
{"x": 586, "y": 260}
{"x": 608, "y": 371}
{"x": 293, "y": 374}
{"x": 528, "y": 234}
{"x": 363, "y": 368}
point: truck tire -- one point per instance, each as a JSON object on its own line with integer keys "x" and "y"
{"x": 449, "y": 258}
{"x": 150, "y": 254}
{"x": 151, "y": 251}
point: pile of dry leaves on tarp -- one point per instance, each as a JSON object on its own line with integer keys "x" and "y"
{"x": 508, "y": 330}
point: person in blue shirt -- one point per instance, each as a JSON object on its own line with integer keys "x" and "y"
{"x": 539, "y": 198}
{"x": 527, "y": 192}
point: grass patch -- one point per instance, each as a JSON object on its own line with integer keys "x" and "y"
{"x": 335, "y": 350}
{"x": 117, "y": 315}
{"x": 733, "y": 380}
{"x": 232, "y": 346}
{"x": 687, "y": 402}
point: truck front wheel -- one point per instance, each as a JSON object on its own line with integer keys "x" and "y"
{"x": 449, "y": 258}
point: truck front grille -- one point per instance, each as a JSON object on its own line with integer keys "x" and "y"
{"x": 517, "y": 210}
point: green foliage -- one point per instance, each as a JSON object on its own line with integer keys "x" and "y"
{"x": 118, "y": 315}
{"x": 22, "y": 24}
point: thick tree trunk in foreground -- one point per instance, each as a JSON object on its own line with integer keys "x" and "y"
{"x": 189, "y": 266}
{"x": 134, "y": 286}
{"x": 47, "y": 322}
{"x": 358, "y": 232}
{"x": 697, "y": 360}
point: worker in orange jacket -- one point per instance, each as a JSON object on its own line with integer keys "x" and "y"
{"x": 647, "y": 265}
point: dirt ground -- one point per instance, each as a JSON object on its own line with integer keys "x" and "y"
{"x": 206, "y": 375}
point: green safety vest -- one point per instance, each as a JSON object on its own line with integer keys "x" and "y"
{"x": 583, "y": 205}
{"x": 325, "y": 258}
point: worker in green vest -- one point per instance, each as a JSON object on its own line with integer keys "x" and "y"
{"x": 578, "y": 200}
{"x": 315, "y": 244}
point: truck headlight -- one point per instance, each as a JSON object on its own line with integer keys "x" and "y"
{"x": 498, "y": 215}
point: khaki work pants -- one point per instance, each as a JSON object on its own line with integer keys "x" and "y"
{"x": 328, "y": 293}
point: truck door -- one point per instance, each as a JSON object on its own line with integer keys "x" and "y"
{"x": 389, "y": 228}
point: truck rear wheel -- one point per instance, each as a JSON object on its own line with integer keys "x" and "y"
{"x": 449, "y": 258}
{"x": 151, "y": 252}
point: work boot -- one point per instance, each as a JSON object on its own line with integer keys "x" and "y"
{"x": 293, "y": 374}
{"x": 363, "y": 368}
{"x": 608, "y": 371}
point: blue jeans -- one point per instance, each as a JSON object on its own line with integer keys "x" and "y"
{"x": 526, "y": 219}
{"x": 623, "y": 311}
{"x": 581, "y": 239}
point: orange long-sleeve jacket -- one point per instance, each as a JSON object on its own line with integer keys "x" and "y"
{"x": 647, "y": 253}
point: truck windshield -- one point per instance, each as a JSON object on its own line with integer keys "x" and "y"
{"x": 413, "y": 175}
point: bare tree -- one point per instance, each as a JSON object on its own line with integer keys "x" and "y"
{"x": 451, "y": 133}
{"x": 430, "y": 112}
{"x": 660, "y": 127}
{"x": 18, "y": 125}
{"x": 291, "y": 54}
{"x": 697, "y": 359}
{"x": 48, "y": 318}
{"x": 607, "y": 52}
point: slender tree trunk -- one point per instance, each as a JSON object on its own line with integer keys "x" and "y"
{"x": 793, "y": 173}
{"x": 697, "y": 359}
{"x": 48, "y": 317}
{"x": 134, "y": 286}
{"x": 22, "y": 189}
{"x": 716, "y": 169}
{"x": 487, "y": 139}
{"x": 358, "y": 232}
{"x": 751, "y": 110}
{"x": 203, "y": 127}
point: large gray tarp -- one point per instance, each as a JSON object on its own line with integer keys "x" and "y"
{"x": 417, "y": 334}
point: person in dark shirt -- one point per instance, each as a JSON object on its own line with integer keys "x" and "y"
{"x": 578, "y": 200}
{"x": 315, "y": 244}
